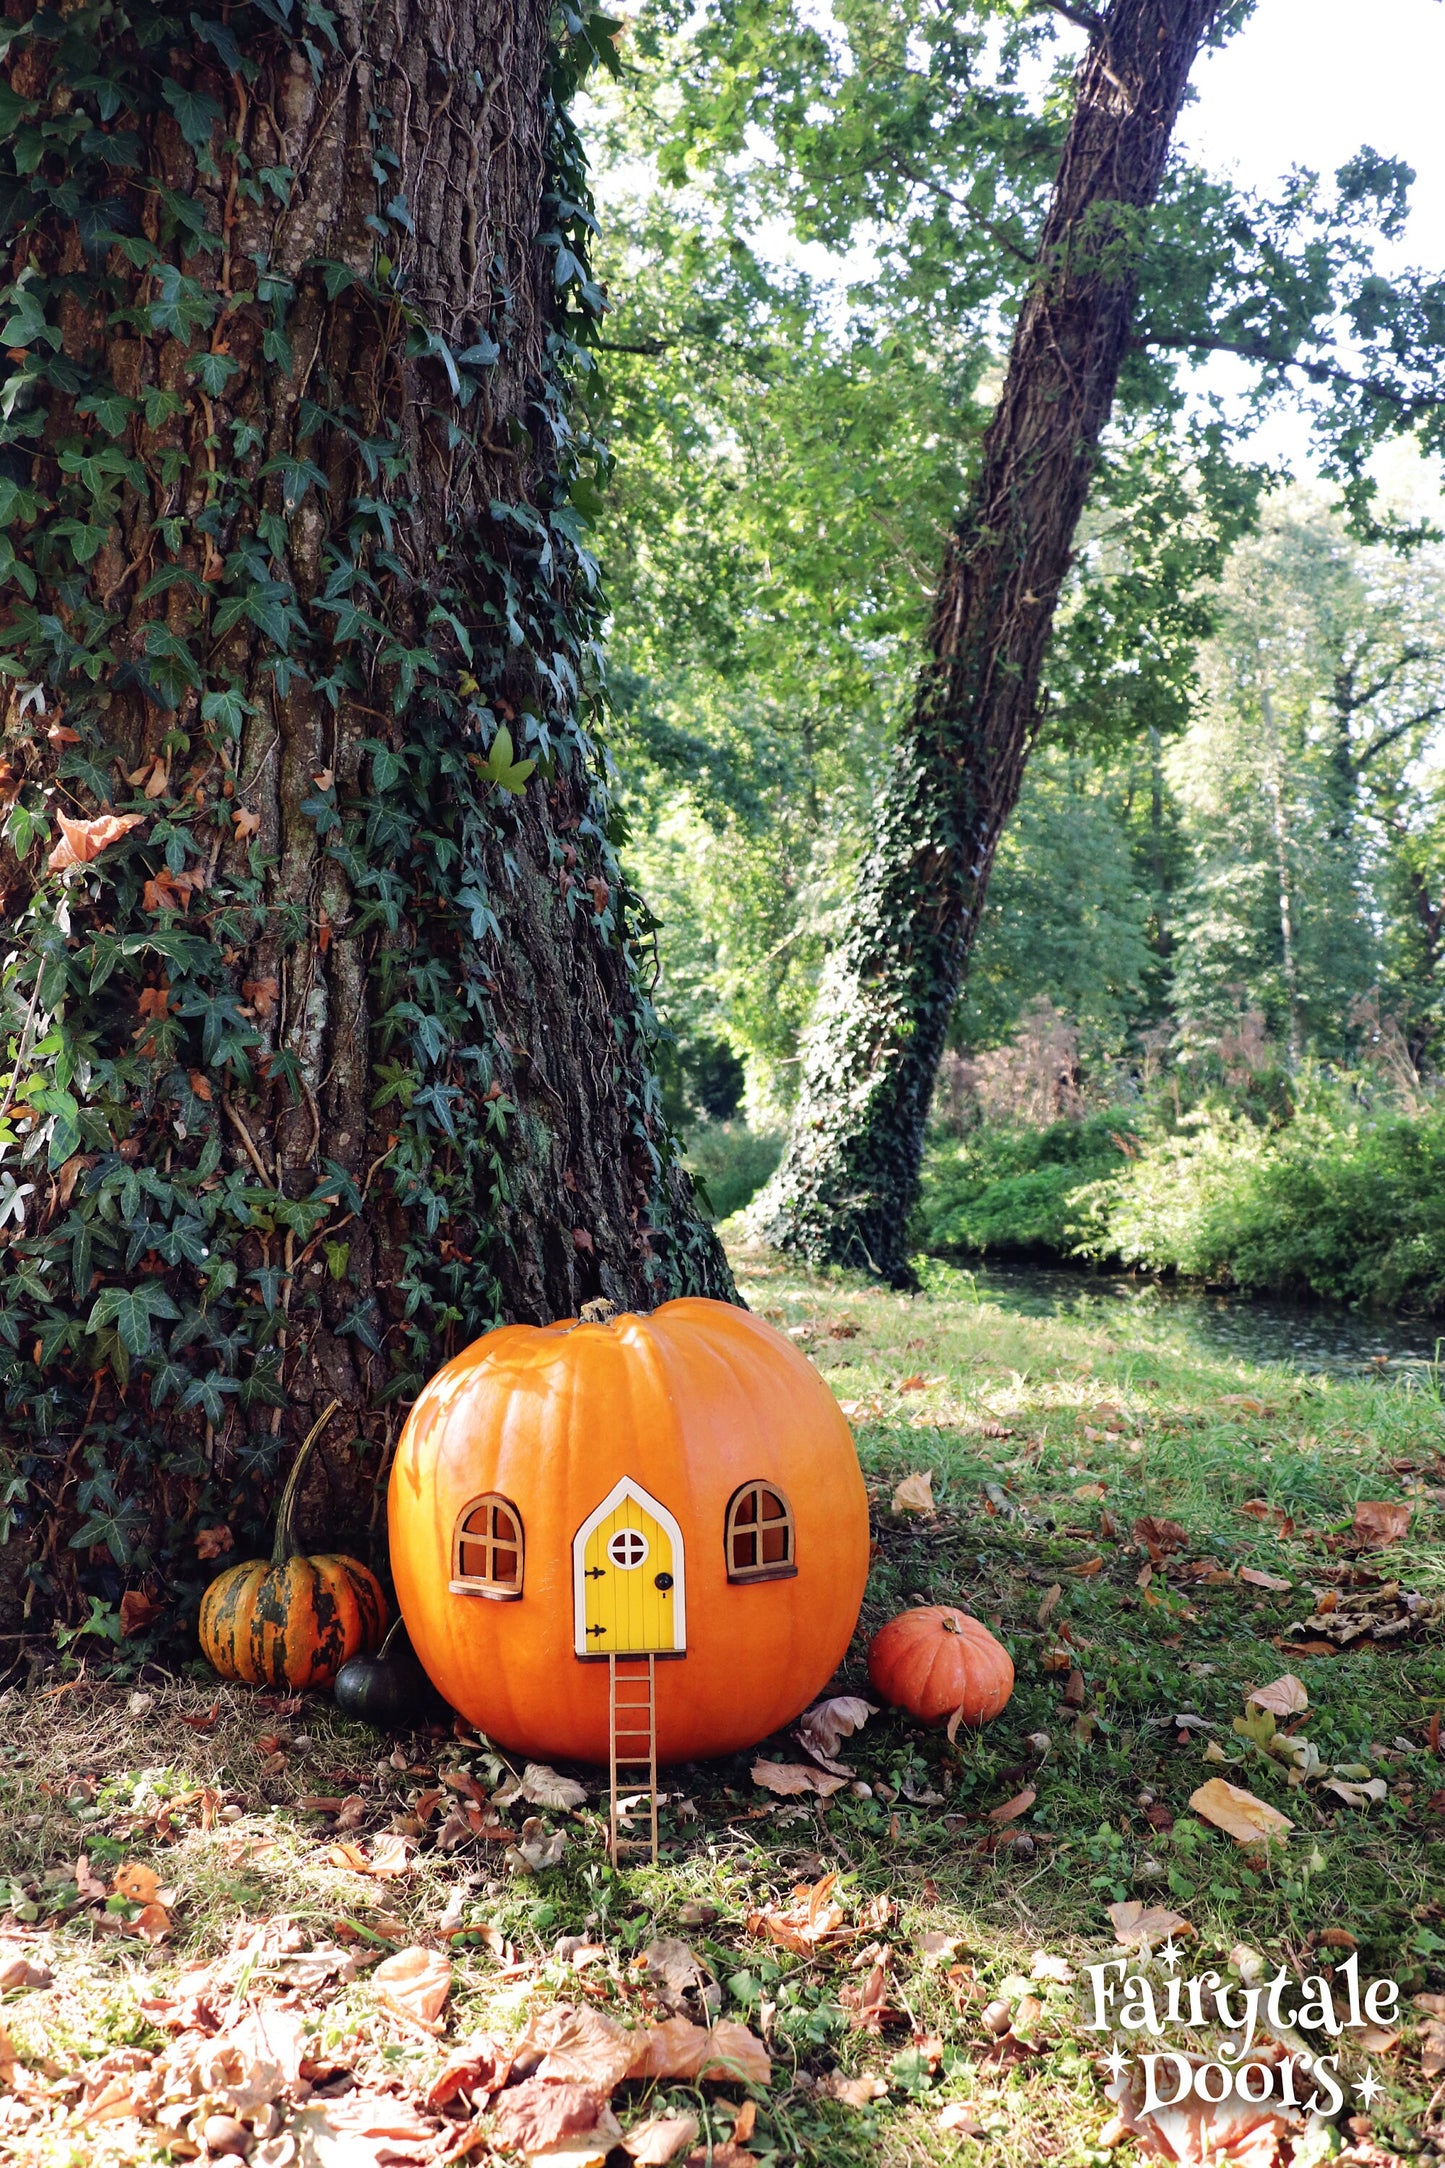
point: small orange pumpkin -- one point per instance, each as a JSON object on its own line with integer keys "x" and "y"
{"x": 287, "y": 1620}
{"x": 935, "y": 1660}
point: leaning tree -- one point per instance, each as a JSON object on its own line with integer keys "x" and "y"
{"x": 1126, "y": 272}
{"x": 328, "y": 1036}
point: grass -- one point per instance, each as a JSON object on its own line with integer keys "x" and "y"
{"x": 1047, "y": 1440}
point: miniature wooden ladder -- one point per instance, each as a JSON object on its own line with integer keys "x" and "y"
{"x": 632, "y": 1723}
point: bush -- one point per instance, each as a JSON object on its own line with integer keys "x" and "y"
{"x": 733, "y": 1162}
{"x": 1337, "y": 1204}
{"x": 1013, "y": 1190}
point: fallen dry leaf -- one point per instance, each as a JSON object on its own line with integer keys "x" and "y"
{"x": 1379, "y": 1523}
{"x": 1046, "y": 1966}
{"x": 1050, "y": 1599}
{"x": 1285, "y": 1696}
{"x": 414, "y": 1984}
{"x": 358, "y": 2130}
{"x": 1258, "y": 1579}
{"x": 825, "y": 1726}
{"x": 478, "y": 2068}
{"x": 1013, "y": 1808}
{"x": 958, "y": 2115}
{"x": 653, "y": 2143}
{"x": 812, "y": 1918}
{"x": 19, "y": 1970}
{"x": 1239, "y": 1814}
{"x": 915, "y": 1494}
{"x": 791, "y": 1779}
{"x": 1432, "y": 2048}
{"x": 138, "y": 1885}
{"x": 577, "y": 2046}
{"x": 1160, "y": 1538}
{"x": 538, "y": 2117}
{"x": 679, "y": 2049}
{"x": 1147, "y": 1924}
{"x": 1241, "y": 2133}
{"x": 80, "y": 841}
{"x": 545, "y": 1788}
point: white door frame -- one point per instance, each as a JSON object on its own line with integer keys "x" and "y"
{"x": 626, "y": 1488}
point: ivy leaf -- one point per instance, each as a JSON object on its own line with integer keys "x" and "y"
{"x": 501, "y": 768}
{"x": 132, "y": 1311}
{"x": 196, "y": 115}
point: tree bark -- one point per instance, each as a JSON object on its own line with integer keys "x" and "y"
{"x": 849, "y": 1177}
{"x": 331, "y": 1046}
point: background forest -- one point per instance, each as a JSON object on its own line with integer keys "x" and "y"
{"x": 1203, "y": 1026}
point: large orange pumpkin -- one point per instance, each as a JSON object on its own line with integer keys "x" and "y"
{"x": 934, "y": 1660}
{"x": 684, "y": 1481}
{"x": 291, "y": 1621}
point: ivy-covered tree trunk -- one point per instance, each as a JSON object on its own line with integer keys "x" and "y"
{"x": 849, "y": 1177}
{"x": 327, "y": 1041}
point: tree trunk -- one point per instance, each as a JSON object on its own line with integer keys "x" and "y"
{"x": 847, "y": 1184}
{"x": 331, "y": 1045}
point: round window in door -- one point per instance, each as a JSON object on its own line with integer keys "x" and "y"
{"x": 628, "y": 1549}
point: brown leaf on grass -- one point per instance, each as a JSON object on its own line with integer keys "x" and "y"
{"x": 657, "y": 2141}
{"x": 361, "y": 2129}
{"x": 1013, "y": 1808}
{"x": 871, "y": 2010}
{"x": 414, "y": 1984}
{"x": 853, "y": 2092}
{"x": 477, "y": 2069}
{"x": 1075, "y": 1690}
{"x": 1147, "y": 1924}
{"x": 538, "y": 2117}
{"x": 1200, "y": 2134}
{"x": 1284, "y": 1696}
{"x": 936, "y": 1948}
{"x": 825, "y": 1726}
{"x": 392, "y": 1855}
{"x": 80, "y": 841}
{"x": 791, "y": 1779}
{"x": 138, "y": 1885}
{"x": 87, "y": 1881}
{"x": 545, "y": 1788}
{"x": 577, "y": 2047}
{"x": 1378, "y": 1523}
{"x": 1239, "y": 1814}
{"x": 811, "y": 1919}
{"x": 915, "y": 1494}
{"x": 1160, "y": 1538}
{"x": 17, "y": 1970}
{"x": 960, "y": 2116}
{"x": 669, "y": 1962}
{"x": 916, "y": 1384}
{"x": 1257, "y": 1579}
{"x": 211, "y": 1542}
{"x": 1049, "y": 1601}
{"x": 1432, "y": 2048}
{"x": 1087, "y": 1570}
{"x": 678, "y": 2049}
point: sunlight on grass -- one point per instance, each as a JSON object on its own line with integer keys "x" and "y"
{"x": 1047, "y": 1439}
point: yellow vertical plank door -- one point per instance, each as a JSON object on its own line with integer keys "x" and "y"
{"x": 627, "y": 1612}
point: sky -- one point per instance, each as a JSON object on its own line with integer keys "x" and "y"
{"x": 1306, "y": 82}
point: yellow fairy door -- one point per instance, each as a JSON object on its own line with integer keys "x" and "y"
{"x": 629, "y": 1578}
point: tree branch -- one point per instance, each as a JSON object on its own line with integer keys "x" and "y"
{"x": 1083, "y": 18}
{"x": 1318, "y": 372}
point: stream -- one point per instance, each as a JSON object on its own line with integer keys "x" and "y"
{"x": 1311, "y": 1337}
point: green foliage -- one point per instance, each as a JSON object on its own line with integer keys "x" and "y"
{"x": 1014, "y": 1191}
{"x": 732, "y": 1162}
{"x": 1343, "y": 1203}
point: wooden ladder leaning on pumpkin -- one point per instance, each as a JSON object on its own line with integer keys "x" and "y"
{"x": 637, "y": 1727}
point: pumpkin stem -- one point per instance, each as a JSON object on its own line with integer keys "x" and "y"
{"x": 599, "y": 1311}
{"x": 949, "y": 1625}
{"x": 397, "y": 1626}
{"x": 285, "y": 1545}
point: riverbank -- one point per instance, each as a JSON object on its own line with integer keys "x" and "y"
{"x": 1341, "y": 1201}
{"x": 1156, "y": 1531}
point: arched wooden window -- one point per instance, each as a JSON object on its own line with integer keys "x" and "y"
{"x": 487, "y": 1549}
{"x": 759, "y": 1535}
